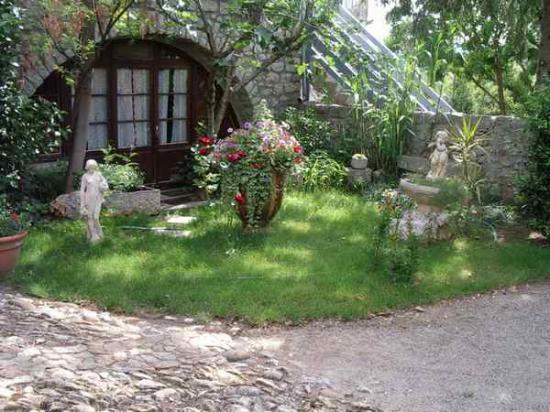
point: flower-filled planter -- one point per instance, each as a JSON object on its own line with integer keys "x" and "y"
{"x": 12, "y": 235}
{"x": 253, "y": 163}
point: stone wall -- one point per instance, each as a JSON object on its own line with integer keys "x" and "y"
{"x": 506, "y": 143}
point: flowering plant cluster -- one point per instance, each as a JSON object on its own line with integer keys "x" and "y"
{"x": 250, "y": 162}
{"x": 10, "y": 221}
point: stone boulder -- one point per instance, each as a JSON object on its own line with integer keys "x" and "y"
{"x": 117, "y": 203}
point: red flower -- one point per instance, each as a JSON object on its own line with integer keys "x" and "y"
{"x": 206, "y": 140}
{"x": 233, "y": 157}
{"x": 298, "y": 160}
{"x": 298, "y": 149}
{"x": 203, "y": 151}
{"x": 240, "y": 199}
{"x": 236, "y": 156}
{"x": 14, "y": 216}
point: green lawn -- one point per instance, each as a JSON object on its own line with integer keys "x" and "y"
{"x": 313, "y": 262}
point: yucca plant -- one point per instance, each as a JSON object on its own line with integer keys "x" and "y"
{"x": 466, "y": 147}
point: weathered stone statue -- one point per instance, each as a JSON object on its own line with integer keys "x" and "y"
{"x": 439, "y": 157}
{"x": 92, "y": 187}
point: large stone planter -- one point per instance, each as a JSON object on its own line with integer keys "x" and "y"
{"x": 116, "y": 203}
{"x": 270, "y": 208}
{"x": 10, "y": 248}
{"x": 424, "y": 196}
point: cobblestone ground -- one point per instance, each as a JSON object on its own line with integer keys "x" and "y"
{"x": 61, "y": 356}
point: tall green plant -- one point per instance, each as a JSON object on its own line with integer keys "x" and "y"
{"x": 466, "y": 147}
{"x": 381, "y": 122}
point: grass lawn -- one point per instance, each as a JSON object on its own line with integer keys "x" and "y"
{"x": 312, "y": 262}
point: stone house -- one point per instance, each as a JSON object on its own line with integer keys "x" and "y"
{"x": 148, "y": 94}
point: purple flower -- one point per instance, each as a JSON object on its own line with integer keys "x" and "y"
{"x": 260, "y": 124}
{"x": 247, "y": 125}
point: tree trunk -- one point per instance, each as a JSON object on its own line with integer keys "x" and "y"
{"x": 81, "y": 110}
{"x": 500, "y": 87}
{"x": 544, "y": 46}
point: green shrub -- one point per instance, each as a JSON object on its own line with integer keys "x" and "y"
{"x": 10, "y": 222}
{"x": 321, "y": 172}
{"x": 396, "y": 258}
{"x": 121, "y": 172}
{"x": 45, "y": 183}
{"x": 534, "y": 194}
{"x": 28, "y": 127}
{"x": 316, "y": 134}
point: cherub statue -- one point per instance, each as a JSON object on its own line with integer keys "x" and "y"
{"x": 439, "y": 157}
{"x": 92, "y": 187}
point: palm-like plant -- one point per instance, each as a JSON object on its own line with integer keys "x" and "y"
{"x": 466, "y": 147}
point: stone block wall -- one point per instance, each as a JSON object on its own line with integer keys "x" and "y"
{"x": 506, "y": 142}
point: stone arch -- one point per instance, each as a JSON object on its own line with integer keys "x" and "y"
{"x": 39, "y": 68}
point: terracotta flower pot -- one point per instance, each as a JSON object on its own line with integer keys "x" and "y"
{"x": 272, "y": 205}
{"x": 10, "y": 247}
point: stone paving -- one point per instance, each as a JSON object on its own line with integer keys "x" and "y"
{"x": 65, "y": 357}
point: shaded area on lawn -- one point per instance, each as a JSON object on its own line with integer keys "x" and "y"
{"x": 313, "y": 262}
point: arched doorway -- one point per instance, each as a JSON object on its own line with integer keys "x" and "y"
{"x": 147, "y": 98}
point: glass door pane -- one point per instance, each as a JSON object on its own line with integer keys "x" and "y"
{"x": 133, "y": 102}
{"x": 172, "y": 106}
{"x": 98, "y": 130}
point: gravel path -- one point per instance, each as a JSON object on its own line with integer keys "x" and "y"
{"x": 482, "y": 353}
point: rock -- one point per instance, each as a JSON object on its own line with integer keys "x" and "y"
{"x": 30, "y": 352}
{"x": 236, "y": 356}
{"x": 5, "y": 392}
{"x": 53, "y": 313}
{"x": 167, "y": 394}
{"x": 120, "y": 356}
{"x": 82, "y": 407}
{"x": 274, "y": 375}
{"x": 24, "y": 304}
{"x": 149, "y": 384}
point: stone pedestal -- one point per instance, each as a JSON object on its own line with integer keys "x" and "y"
{"x": 359, "y": 176}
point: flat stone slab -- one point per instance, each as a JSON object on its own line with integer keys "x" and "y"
{"x": 180, "y": 220}
{"x": 173, "y": 233}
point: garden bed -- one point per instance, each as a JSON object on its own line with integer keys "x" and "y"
{"x": 313, "y": 262}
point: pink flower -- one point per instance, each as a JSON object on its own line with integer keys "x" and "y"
{"x": 298, "y": 149}
{"x": 203, "y": 151}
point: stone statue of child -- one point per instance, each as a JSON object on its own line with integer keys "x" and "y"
{"x": 439, "y": 157}
{"x": 92, "y": 187}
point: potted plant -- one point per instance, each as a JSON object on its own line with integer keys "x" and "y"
{"x": 254, "y": 162}
{"x": 359, "y": 161}
{"x": 12, "y": 234}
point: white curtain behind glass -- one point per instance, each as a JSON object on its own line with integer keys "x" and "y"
{"x": 133, "y": 102}
{"x": 172, "y": 106}
{"x": 98, "y": 130}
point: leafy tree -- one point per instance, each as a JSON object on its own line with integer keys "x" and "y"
{"x": 78, "y": 30}
{"x": 28, "y": 127}
{"x": 252, "y": 34}
{"x": 493, "y": 43}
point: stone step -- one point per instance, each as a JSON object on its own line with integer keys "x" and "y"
{"x": 180, "y": 220}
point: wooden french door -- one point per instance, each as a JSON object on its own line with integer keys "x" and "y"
{"x": 146, "y": 98}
